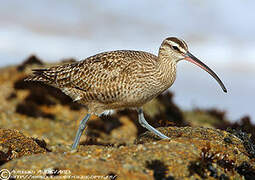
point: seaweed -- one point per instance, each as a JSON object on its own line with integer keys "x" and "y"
{"x": 172, "y": 112}
{"x": 5, "y": 156}
{"x": 248, "y": 144}
{"x": 228, "y": 140}
{"x": 31, "y": 109}
{"x": 246, "y": 170}
{"x": 227, "y": 164}
{"x": 204, "y": 164}
{"x": 29, "y": 61}
{"x": 224, "y": 177}
{"x": 42, "y": 144}
{"x": 105, "y": 124}
{"x": 159, "y": 170}
{"x": 41, "y": 94}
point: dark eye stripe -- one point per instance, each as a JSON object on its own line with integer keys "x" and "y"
{"x": 176, "y": 48}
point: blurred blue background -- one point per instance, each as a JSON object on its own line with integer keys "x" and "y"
{"x": 220, "y": 33}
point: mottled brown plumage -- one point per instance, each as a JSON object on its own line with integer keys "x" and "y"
{"x": 120, "y": 79}
{"x": 111, "y": 80}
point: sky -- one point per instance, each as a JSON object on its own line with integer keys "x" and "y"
{"x": 220, "y": 33}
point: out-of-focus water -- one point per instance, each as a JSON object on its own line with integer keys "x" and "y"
{"x": 219, "y": 32}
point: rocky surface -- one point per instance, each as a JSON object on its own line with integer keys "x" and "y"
{"x": 38, "y": 124}
{"x": 14, "y": 144}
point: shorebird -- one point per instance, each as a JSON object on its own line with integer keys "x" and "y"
{"x": 120, "y": 79}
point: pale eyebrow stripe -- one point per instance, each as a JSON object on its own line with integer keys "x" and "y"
{"x": 179, "y": 42}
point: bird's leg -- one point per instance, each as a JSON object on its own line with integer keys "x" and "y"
{"x": 80, "y": 130}
{"x": 146, "y": 125}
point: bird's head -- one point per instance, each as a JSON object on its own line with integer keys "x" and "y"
{"x": 175, "y": 49}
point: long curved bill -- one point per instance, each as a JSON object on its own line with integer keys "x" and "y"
{"x": 189, "y": 57}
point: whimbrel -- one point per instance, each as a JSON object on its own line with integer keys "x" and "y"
{"x": 120, "y": 79}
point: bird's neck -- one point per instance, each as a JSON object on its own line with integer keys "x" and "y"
{"x": 165, "y": 61}
{"x": 166, "y": 69}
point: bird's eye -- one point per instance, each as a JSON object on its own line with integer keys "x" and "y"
{"x": 175, "y": 48}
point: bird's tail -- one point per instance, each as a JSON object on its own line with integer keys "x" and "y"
{"x": 41, "y": 75}
{"x": 56, "y": 76}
